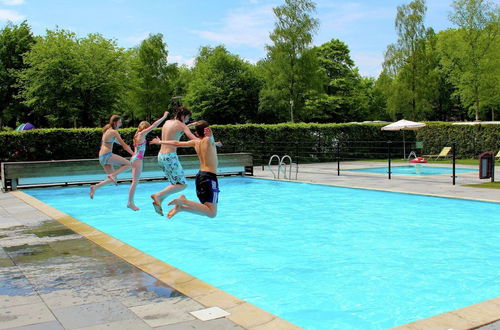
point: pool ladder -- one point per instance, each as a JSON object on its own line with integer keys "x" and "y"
{"x": 282, "y": 167}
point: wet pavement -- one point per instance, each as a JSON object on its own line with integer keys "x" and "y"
{"x": 51, "y": 278}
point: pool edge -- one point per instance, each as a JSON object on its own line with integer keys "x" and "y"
{"x": 381, "y": 189}
{"x": 241, "y": 312}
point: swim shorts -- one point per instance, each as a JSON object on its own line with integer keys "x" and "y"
{"x": 172, "y": 167}
{"x": 207, "y": 187}
{"x": 104, "y": 159}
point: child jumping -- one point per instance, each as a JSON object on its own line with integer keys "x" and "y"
{"x": 207, "y": 186}
{"x": 167, "y": 157}
{"x": 138, "y": 156}
{"x": 107, "y": 158}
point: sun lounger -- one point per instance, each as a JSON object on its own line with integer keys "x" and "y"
{"x": 445, "y": 153}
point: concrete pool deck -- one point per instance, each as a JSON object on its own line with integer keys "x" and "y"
{"x": 52, "y": 278}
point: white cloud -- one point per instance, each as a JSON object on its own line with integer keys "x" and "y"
{"x": 10, "y": 15}
{"x": 342, "y": 17}
{"x": 181, "y": 60}
{"x": 243, "y": 27}
{"x": 12, "y": 2}
{"x": 135, "y": 40}
{"x": 369, "y": 63}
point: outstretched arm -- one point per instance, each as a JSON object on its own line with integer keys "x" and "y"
{"x": 155, "y": 124}
{"x": 188, "y": 133}
{"x": 122, "y": 143}
{"x": 208, "y": 132}
{"x": 174, "y": 143}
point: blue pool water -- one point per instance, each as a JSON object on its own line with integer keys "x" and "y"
{"x": 415, "y": 170}
{"x": 318, "y": 256}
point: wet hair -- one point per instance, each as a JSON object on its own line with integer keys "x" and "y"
{"x": 142, "y": 126}
{"x": 113, "y": 121}
{"x": 200, "y": 128}
{"x": 181, "y": 111}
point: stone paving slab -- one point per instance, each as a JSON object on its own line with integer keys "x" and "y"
{"x": 15, "y": 316}
{"x": 120, "y": 325}
{"x": 54, "y": 325}
{"x": 74, "y": 317}
{"x": 168, "y": 312}
{"x": 219, "y": 324}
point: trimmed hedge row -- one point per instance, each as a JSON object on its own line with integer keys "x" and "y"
{"x": 54, "y": 144}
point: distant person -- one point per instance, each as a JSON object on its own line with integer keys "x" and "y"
{"x": 137, "y": 158}
{"x": 173, "y": 129}
{"x": 107, "y": 158}
{"x": 207, "y": 186}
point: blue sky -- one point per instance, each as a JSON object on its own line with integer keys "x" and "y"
{"x": 243, "y": 26}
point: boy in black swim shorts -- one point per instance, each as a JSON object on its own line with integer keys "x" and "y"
{"x": 207, "y": 186}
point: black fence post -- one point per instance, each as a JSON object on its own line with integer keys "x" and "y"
{"x": 338, "y": 158}
{"x": 296, "y": 153}
{"x": 262, "y": 159}
{"x": 389, "y": 158}
{"x": 492, "y": 167}
{"x": 454, "y": 153}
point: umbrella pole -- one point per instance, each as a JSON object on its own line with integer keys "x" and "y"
{"x": 404, "y": 146}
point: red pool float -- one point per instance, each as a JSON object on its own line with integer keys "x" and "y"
{"x": 418, "y": 160}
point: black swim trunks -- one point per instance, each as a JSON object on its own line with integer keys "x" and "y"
{"x": 207, "y": 187}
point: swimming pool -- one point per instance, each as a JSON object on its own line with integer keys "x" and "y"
{"x": 318, "y": 256}
{"x": 415, "y": 170}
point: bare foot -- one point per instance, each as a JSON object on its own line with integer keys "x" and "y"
{"x": 178, "y": 201}
{"x": 92, "y": 191}
{"x": 132, "y": 206}
{"x": 112, "y": 178}
{"x": 157, "y": 204}
{"x": 173, "y": 211}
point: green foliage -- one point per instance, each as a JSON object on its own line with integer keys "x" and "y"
{"x": 472, "y": 140}
{"x": 345, "y": 95}
{"x": 314, "y": 142}
{"x": 72, "y": 82}
{"x": 289, "y": 69}
{"x": 15, "y": 40}
{"x": 470, "y": 54}
{"x": 151, "y": 79}
{"x": 223, "y": 88}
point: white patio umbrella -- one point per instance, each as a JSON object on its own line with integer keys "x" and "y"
{"x": 403, "y": 125}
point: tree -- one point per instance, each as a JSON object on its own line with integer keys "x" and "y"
{"x": 223, "y": 88}
{"x": 152, "y": 78}
{"x": 344, "y": 95}
{"x": 407, "y": 64}
{"x": 15, "y": 40}
{"x": 473, "y": 51}
{"x": 289, "y": 66}
{"x": 73, "y": 82}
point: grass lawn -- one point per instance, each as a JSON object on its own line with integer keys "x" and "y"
{"x": 491, "y": 185}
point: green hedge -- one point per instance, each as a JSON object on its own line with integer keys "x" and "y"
{"x": 312, "y": 140}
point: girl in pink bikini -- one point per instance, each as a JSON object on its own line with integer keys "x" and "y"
{"x": 138, "y": 156}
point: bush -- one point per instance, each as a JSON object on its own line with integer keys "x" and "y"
{"x": 313, "y": 142}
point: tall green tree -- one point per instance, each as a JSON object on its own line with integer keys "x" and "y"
{"x": 289, "y": 66}
{"x": 344, "y": 95}
{"x": 223, "y": 88}
{"x": 71, "y": 81}
{"x": 407, "y": 64}
{"x": 15, "y": 40}
{"x": 153, "y": 78}
{"x": 472, "y": 52}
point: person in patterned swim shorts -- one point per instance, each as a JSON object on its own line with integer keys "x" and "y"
{"x": 172, "y": 129}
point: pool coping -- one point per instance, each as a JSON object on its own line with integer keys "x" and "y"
{"x": 244, "y": 313}
{"x": 241, "y": 312}
{"x": 383, "y": 190}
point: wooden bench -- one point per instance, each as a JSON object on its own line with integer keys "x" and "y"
{"x": 11, "y": 172}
